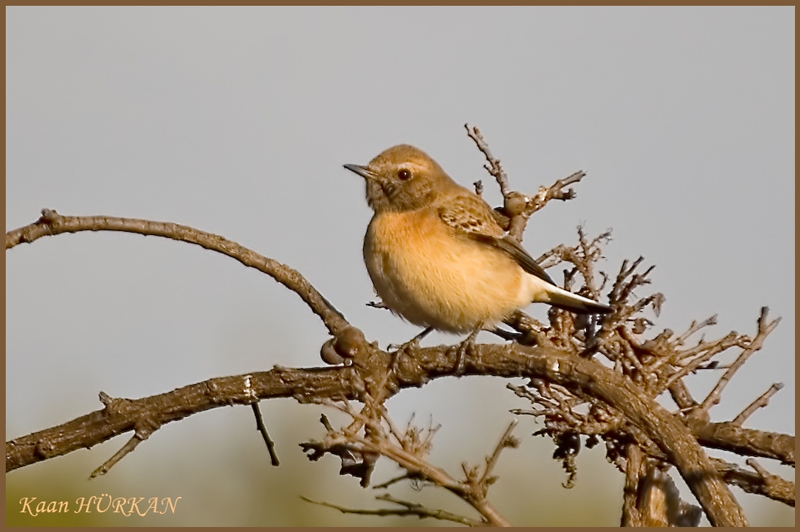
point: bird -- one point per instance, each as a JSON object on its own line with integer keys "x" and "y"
{"x": 438, "y": 258}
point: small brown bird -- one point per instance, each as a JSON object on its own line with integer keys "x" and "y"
{"x": 436, "y": 255}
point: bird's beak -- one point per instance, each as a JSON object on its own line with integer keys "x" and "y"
{"x": 363, "y": 171}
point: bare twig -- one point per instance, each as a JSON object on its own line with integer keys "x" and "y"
{"x": 264, "y": 434}
{"x": 439, "y": 477}
{"x": 764, "y": 329}
{"x": 395, "y": 480}
{"x": 709, "y": 350}
{"x": 506, "y": 440}
{"x": 761, "y": 402}
{"x": 493, "y": 165}
{"x": 412, "y": 460}
{"x": 129, "y": 447}
{"x": 519, "y": 207}
{"x": 694, "y": 328}
{"x": 409, "y": 509}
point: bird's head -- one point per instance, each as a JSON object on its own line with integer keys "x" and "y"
{"x": 402, "y": 178}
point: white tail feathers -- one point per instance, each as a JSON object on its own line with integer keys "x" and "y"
{"x": 544, "y": 292}
{"x": 575, "y": 303}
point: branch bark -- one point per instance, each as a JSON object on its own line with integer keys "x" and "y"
{"x": 584, "y": 376}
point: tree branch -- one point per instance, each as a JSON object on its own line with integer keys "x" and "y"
{"x": 747, "y": 442}
{"x": 51, "y": 223}
{"x": 578, "y": 375}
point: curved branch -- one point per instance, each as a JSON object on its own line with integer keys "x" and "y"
{"x": 580, "y": 375}
{"x": 51, "y": 223}
{"x": 592, "y": 378}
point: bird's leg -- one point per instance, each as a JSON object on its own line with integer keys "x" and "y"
{"x": 414, "y": 342}
{"x": 507, "y": 335}
{"x": 408, "y": 347}
{"x": 463, "y": 350}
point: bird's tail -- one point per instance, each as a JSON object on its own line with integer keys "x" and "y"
{"x": 574, "y": 303}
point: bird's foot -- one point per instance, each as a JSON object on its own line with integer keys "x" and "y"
{"x": 464, "y": 350}
{"x": 408, "y": 348}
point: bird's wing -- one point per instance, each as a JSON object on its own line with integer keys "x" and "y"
{"x": 518, "y": 253}
{"x": 470, "y": 216}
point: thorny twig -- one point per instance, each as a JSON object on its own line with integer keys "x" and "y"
{"x": 408, "y": 449}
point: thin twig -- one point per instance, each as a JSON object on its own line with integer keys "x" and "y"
{"x": 395, "y": 480}
{"x": 711, "y": 350}
{"x": 506, "y": 440}
{"x": 761, "y": 402}
{"x": 517, "y": 206}
{"x": 693, "y": 328}
{"x": 410, "y": 509}
{"x": 764, "y": 330}
{"x": 419, "y": 467}
{"x": 129, "y": 447}
{"x": 493, "y": 167}
{"x": 263, "y": 430}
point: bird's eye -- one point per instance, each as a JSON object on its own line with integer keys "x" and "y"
{"x": 404, "y": 175}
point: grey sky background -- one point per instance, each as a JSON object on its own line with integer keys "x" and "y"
{"x": 236, "y": 121}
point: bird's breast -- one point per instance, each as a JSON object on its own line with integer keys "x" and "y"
{"x": 432, "y": 276}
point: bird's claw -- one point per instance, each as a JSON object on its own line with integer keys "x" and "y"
{"x": 411, "y": 346}
{"x": 463, "y": 350}
{"x": 409, "y": 349}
